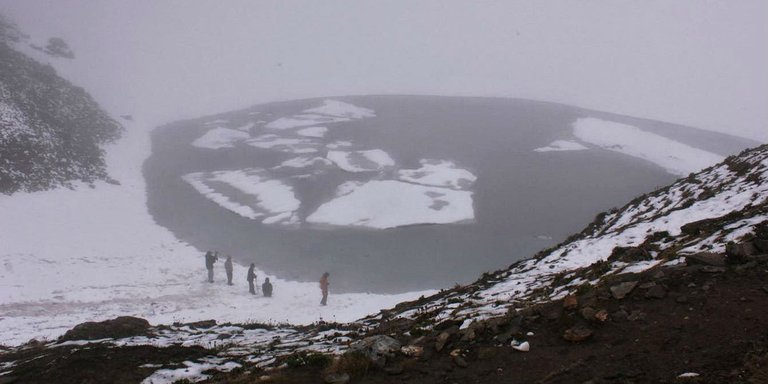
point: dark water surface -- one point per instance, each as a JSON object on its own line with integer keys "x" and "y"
{"x": 519, "y": 194}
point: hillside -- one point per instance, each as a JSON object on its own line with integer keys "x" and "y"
{"x": 51, "y": 132}
{"x": 668, "y": 287}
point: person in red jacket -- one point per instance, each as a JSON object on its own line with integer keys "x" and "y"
{"x": 324, "y": 288}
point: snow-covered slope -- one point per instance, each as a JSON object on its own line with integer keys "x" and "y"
{"x": 700, "y": 213}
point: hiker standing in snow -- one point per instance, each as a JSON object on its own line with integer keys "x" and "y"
{"x": 210, "y": 258}
{"x": 228, "y": 269}
{"x": 266, "y": 288}
{"x": 324, "y": 288}
{"x": 251, "y": 277}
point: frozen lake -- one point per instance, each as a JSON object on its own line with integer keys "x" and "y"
{"x": 308, "y": 186}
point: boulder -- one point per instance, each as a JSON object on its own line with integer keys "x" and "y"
{"x": 376, "y": 348}
{"x": 705, "y": 258}
{"x": 739, "y": 252}
{"x": 619, "y": 291}
{"x": 442, "y": 338}
{"x": 120, "y": 327}
{"x": 570, "y": 302}
{"x": 412, "y": 350}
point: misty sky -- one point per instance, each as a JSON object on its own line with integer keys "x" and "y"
{"x": 700, "y": 63}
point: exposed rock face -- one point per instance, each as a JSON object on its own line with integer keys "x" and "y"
{"x": 123, "y": 326}
{"x": 51, "y": 131}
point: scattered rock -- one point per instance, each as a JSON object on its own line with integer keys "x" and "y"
{"x": 459, "y": 361}
{"x": 619, "y": 291}
{"x": 120, "y": 327}
{"x": 570, "y": 302}
{"x": 706, "y": 258}
{"x": 442, "y": 338}
{"x": 682, "y": 299}
{"x": 656, "y": 292}
{"x": 377, "y": 348}
{"x": 577, "y": 334}
{"x": 588, "y": 313}
{"x": 739, "y": 252}
{"x": 636, "y": 315}
{"x": 412, "y": 350}
{"x": 620, "y": 315}
{"x": 336, "y": 378}
{"x": 712, "y": 269}
{"x": 601, "y": 315}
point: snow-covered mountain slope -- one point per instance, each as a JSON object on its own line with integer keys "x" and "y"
{"x": 51, "y": 132}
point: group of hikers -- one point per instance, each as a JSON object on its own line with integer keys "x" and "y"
{"x": 211, "y": 257}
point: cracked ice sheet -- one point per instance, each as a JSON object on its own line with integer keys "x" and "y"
{"x": 274, "y": 200}
{"x": 675, "y": 157}
{"x": 388, "y": 203}
{"x": 218, "y": 138}
{"x": 439, "y": 173}
{"x": 361, "y": 161}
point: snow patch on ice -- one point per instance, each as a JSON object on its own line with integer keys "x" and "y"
{"x": 341, "y": 109}
{"x": 313, "y": 131}
{"x": 220, "y": 137}
{"x": 283, "y": 144}
{"x": 389, "y": 203}
{"x": 561, "y": 145}
{"x": 332, "y": 111}
{"x": 675, "y": 157}
{"x": 439, "y": 173}
{"x": 361, "y": 161}
{"x": 272, "y": 198}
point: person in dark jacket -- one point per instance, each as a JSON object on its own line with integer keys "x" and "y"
{"x": 210, "y": 258}
{"x": 251, "y": 277}
{"x": 266, "y": 288}
{"x": 228, "y": 269}
{"x": 324, "y": 288}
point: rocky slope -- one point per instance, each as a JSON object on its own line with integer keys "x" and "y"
{"x": 668, "y": 287}
{"x": 51, "y": 131}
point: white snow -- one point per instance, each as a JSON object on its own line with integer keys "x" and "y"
{"x": 91, "y": 254}
{"x": 283, "y": 144}
{"x": 439, "y": 173}
{"x": 332, "y": 111}
{"x": 341, "y": 109}
{"x": 361, "y": 161}
{"x": 313, "y": 131}
{"x": 675, "y": 157}
{"x": 303, "y": 121}
{"x": 388, "y": 203}
{"x": 561, "y": 145}
{"x": 305, "y": 162}
{"x": 273, "y": 199}
{"x": 219, "y": 137}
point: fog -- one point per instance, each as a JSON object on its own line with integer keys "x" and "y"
{"x": 689, "y": 62}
